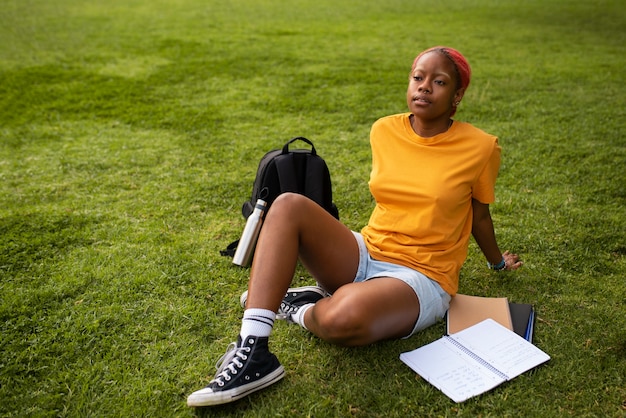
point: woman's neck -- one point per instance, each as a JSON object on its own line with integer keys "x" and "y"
{"x": 429, "y": 129}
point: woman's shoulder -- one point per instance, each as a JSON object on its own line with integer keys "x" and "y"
{"x": 390, "y": 122}
{"x": 390, "y": 119}
{"x": 467, "y": 129}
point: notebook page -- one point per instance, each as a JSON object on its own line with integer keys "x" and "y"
{"x": 501, "y": 347}
{"x": 450, "y": 370}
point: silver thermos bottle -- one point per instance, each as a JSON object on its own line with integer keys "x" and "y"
{"x": 247, "y": 242}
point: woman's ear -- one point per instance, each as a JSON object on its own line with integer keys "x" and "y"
{"x": 458, "y": 96}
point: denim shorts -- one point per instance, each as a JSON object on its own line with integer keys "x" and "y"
{"x": 433, "y": 300}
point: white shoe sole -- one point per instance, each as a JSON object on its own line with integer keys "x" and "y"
{"x": 206, "y": 397}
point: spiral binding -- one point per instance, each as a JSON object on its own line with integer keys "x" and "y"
{"x": 477, "y": 358}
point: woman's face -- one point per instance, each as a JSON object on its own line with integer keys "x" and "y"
{"x": 432, "y": 89}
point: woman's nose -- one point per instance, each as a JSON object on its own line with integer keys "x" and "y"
{"x": 424, "y": 88}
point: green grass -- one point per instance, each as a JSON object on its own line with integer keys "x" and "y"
{"x": 130, "y": 132}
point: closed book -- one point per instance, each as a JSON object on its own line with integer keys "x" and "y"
{"x": 522, "y": 316}
{"x": 466, "y": 310}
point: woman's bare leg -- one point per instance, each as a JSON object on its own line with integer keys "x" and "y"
{"x": 357, "y": 313}
{"x": 296, "y": 227}
{"x": 366, "y": 312}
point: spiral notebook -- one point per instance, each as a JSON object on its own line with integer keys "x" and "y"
{"x": 475, "y": 360}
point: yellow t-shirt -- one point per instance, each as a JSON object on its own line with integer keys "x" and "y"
{"x": 423, "y": 188}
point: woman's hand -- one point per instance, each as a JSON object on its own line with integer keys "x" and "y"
{"x": 511, "y": 261}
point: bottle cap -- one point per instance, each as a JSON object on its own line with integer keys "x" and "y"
{"x": 260, "y": 204}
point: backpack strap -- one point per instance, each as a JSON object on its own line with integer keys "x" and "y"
{"x": 301, "y": 138}
{"x": 286, "y": 170}
{"x": 313, "y": 187}
{"x": 229, "y": 251}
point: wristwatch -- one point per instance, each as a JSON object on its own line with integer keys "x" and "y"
{"x": 497, "y": 267}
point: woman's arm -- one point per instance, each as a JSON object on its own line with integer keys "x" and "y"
{"x": 483, "y": 232}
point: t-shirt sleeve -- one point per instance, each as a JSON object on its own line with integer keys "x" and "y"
{"x": 484, "y": 187}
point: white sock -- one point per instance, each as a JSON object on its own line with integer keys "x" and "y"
{"x": 257, "y": 322}
{"x": 298, "y": 317}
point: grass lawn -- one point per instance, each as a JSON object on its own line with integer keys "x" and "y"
{"x": 130, "y": 133}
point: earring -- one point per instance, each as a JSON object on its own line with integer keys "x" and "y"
{"x": 457, "y": 103}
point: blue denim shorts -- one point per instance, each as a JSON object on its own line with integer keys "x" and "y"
{"x": 433, "y": 300}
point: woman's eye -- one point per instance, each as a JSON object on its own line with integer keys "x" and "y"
{"x": 440, "y": 82}
{"x": 417, "y": 78}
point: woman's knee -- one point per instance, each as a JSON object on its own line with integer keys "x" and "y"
{"x": 341, "y": 322}
{"x": 363, "y": 313}
{"x": 287, "y": 205}
{"x": 290, "y": 199}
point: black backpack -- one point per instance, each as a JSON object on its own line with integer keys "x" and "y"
{"x": 299, "y": 171}
{"x": 284, "y": 170}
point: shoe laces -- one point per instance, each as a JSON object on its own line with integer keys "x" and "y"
{"x": 287, "y": 308}
{"x": 230, "y": 363}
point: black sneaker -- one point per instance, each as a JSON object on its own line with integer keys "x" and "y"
{"x": 246, "y": 367}
{"x": 294, "y": 299}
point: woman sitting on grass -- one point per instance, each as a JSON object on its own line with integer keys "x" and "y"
{"x": 433, "y": 179}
